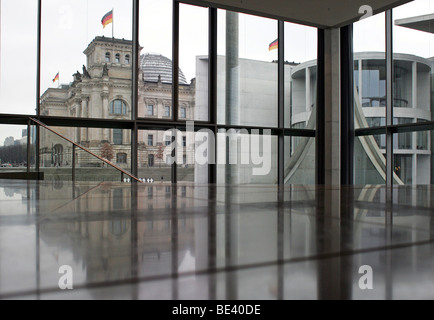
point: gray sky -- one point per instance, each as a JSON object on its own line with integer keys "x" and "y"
{"x": 70, "y": 25}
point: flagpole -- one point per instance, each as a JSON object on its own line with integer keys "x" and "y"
{"x": 113, "y": 23}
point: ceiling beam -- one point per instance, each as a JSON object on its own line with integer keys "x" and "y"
{"x": 315, "y": 13}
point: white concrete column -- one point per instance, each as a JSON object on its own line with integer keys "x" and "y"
{"x": 232, "y": 99}
{"x": 414, "y": 166}
{"x": 308, "y": 100}
{"x": 414, "y": 134}
{"x": 332, "y": 105}
{"x": 414, "y": 85}
{"x": 360, "y": 82}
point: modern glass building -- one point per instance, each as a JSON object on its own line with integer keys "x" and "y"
{"x": 412, "y": 99}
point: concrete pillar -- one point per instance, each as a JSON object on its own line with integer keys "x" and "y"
{"x": 232, "y": 98}
{"x": 414, "y": 85}
{"x": 308, "y": 99}
{"x": 105, "y": 113}
{"x": 232, "y": 69}
{"x": 332, "y": 106}
{"x": 85, "y": 114}
{"x": 360, "y": 82}
{"x": 414, "y": 134}
{"x": 78, "y": 114}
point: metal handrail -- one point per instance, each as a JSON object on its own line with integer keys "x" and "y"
{"x": 86, "y": 150}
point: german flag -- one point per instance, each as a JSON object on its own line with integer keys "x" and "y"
{"x": 108, "y": 18}
{"x": 273, "y": 45}
{"x": 56, "y": 77}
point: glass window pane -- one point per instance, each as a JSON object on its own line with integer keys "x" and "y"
{"x": 194, "y": 155}
{"x": 153, "y": 153}
{"x": 403, "y": 140}
{"x": 57, "y": 156}
{"x": 244, "y": 158}
{"x": 150, "y": 140}
{"x": 369, "y": 71}
{"x": 13, "y": 147}
{"x": 79, "y": 53}
{"x": 369, "y": 160}
{"x": 299, "y": 160}
{"x": 18, "y": 34}
{"x": 300, "y": 75}
{"x": 193, "y": 61}
{"x": 117, "y": 136}
{"x": 413, "y": 163}
{"x": 246, "y": 70}
{"x": 155, "y": 78}
{"x": 402, "y": 167}
{"x": 150, "y": 110}
{"x": 413, "y": 45}
{"x": 422, "y": 142}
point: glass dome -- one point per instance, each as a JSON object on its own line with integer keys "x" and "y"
{"x": 157, "y": 65}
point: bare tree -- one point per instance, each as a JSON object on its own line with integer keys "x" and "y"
{"x": 107, "y": 151}
{"x": 160, "y": 154}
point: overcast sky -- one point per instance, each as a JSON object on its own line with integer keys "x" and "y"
{"x": 68, "y": 26}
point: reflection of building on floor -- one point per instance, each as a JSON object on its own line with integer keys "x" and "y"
{"x": 154, "y": 235}
{"x": 103, "y": 90}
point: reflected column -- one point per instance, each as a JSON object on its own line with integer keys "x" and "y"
{"x": 280, "y": 243}
{"x": 231, "y": 244}
{"x": 212, "y": 244}
{"x": 36, "y": 202}
{"x": 134, "y": 241}
{"x": 389, "y": 229}
{"x": 346, "y": 241}
{"x": 175, "y": 243}
{"x": 328, "y": 240}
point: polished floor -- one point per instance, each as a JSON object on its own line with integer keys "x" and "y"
{"x": 202, "y": 242}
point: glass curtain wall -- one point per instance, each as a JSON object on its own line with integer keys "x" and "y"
{"x": 85, "y": 83}
{"x": 86, "y": 51}
{"x": 413, "y": 45}
{"x": 300, "y": 67}
{"x": 18, "y": 57}
{"x": 13, "y": 148}
{"x": 369, "y": 45}
{"x": 410, "y": 94}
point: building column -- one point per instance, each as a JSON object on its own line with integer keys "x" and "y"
{"x": 308, "y": 96}
{"x": 414, "y": 134}
{"x": 232, "y": 90}
{"x": 105, "y": 112}
{"x": 360, "y": 82}
{"x": 332, "y": 107}
{"x": 78, "y": 114}
{"x": 414, "y": 85}
{"x": 85, "y": 114}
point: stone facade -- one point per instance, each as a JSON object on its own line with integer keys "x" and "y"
{"x": 103, "y": 90}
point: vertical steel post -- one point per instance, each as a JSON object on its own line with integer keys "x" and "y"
{"x": 281, "y": 104}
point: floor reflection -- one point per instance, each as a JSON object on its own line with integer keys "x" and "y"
{"x": 255, "y": 242}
